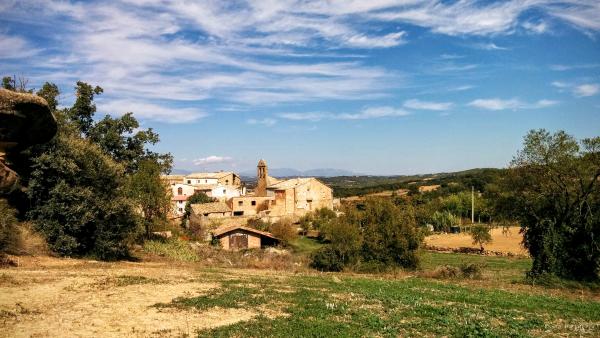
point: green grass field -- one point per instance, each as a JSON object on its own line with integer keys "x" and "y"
{"x": 402, "y": 304}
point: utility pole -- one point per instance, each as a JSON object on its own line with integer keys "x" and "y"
{"x": 472, "y": 205}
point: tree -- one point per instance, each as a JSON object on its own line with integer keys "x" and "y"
{"x": 197, "y": 198}
{"x": 82, "y": 112}
{"x": 481, "y": 235}
{"x": 390, "y": 233}
{"x": 50, "y": 92}
{"x": 284, "y": 230}
{"x": 343, "y": 250}
{"x": 79, "y": 201}
{"x": 554, "y": 190}
{"x": 121, "y": 138}
{"x": 151, "y": 193}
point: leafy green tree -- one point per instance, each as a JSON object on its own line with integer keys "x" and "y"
{"x": 121, "y": 138}
{"x": 480, "y": 234}
{"x": 50, "y": 92}
{"x": 79, "y": 201}
{"x": 82, "y": 112}
{"x": 344, "y": 248}
{"x": 554, "y": 191}
{"x": 150, "y": 193}
{"x": 390, "y": 233}
{"x": 8, "y": 83}
{"x": 197, "y": 198}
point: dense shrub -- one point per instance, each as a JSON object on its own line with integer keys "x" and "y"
{"x": 343, "y": 250}
{"x": 9, "y": 232}
{"x": 259, "y": 224}
{"x": 554, "y": 191}
{"x": 390, "y": 234}
{"x": 374, "y": 237}
{"x": 78, "y": 200}
{"x": 284, "y": 230}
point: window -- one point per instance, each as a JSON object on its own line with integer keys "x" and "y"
{"x": 189, "y": 181}
{"x": 253, "y": 202}
{"x": 205, "y": 181}
{"x": 224, "y": 191}
{"x": 226, "y": 182}
{"x": 240, "y": 203}
{"x": 180, "y": 191}
{"x": 180, "y": 209}
{"x": 238, "y": 213}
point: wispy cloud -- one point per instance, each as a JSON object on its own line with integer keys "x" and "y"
{"x": 268, "y": 122}
{"x": 427, "y": 105}
{"x": 578, "y": 90}
{"x": 365, "y": 114}
{"x": 512, "y": 104}
{"x": 213, "y": 159}
{"x": 489, "y": 46}
{"x": 587, "y": 89}
{"x": 144, "y": 110}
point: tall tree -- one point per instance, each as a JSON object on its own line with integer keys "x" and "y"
{"x": 83, "y": 110}
{"x": 150, "y": 193}
{"x": 121, "y": 138}
{"x": 554, "y": 188}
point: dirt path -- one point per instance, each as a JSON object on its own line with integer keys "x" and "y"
{"x": 48, "y": 297}
{"x": 509, "y": 242}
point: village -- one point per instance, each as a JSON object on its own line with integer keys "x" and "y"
{"x": 227, "y": 216}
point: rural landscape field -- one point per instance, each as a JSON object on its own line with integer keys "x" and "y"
{"x": 300, "y": 168}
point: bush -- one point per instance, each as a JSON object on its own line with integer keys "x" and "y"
{"x": 329, "y": 258}
{"x": 171, "y": 248}
{"x": 259, "y": 224}
{"x": 344, "y": 249}
{"x": 471, "y": 271}
{"x": 284, "y": 230}
{"x": 378, "y": 236}
{"x": 390, "y": 234}
{"x": 9, "y": 232}
{"x": 481, "y": 235}
{"x": 78, "y": 201}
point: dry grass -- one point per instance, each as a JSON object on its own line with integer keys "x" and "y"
{"x": 501, "y": 242}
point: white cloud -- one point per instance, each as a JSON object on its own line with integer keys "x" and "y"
{"x": 15, "y": 47}
{"x": 150, "y": 111}
{"x": 490, "y": 46}
{"x": 389, "y": 40}
{"x": 581, "y": 90}
{"x": 427, "y": 105}
{"x": 213, "y": 159}
{"x": 512, "y": 104}
{"x": 587, "y": 89}
{"x": 365, "y": 114}
{"x": 265, "y": 122}
{"x": 537, "y": 28}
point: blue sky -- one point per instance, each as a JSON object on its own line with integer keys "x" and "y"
{"x": 376, "y": 87}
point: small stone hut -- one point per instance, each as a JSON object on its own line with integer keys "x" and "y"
{"x": 241, "y": 237}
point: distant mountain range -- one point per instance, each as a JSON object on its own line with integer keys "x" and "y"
{"x": 287, "y": 172}
{"x": 290, "y": 172}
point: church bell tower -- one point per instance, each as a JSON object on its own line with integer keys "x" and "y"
{"x": 262, "y": 174}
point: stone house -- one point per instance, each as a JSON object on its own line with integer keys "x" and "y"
{"x": 241, "y": 237}
{"x": 216, "y": 178}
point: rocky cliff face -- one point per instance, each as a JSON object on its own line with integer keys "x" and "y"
{"x": 25, "y": 120}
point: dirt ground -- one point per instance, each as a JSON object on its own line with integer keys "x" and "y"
{"x": 48, "y": 297}
{"x": 503, "y": 242}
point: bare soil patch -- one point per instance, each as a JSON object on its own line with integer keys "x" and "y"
{"x": 509, "y": 242}
{"x": 49, "y": 297}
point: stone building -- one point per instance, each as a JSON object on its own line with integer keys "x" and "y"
{"x": 282, "y": 198}
{"x": 241, "y": 237}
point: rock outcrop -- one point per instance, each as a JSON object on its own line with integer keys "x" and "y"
{"x": 25, "y": 120}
